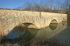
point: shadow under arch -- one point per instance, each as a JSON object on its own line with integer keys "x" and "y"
{"x": 20, "y": 33}
{"x": 53, "y": 24}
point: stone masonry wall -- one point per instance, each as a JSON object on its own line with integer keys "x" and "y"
{"x": 11, "y": 18}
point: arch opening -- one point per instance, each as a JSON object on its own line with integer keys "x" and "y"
{"x": 53, "y": 24}
{"x": 27, "y": 24}
{"x": 21, "y": 32}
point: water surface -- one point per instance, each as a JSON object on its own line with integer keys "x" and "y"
{"x": 53, "y": 34}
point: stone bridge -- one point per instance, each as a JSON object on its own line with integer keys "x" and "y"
{"x": 9, "y": 19}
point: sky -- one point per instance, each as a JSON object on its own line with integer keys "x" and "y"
{"x": 12, "y": 4}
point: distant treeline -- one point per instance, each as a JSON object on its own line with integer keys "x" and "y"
{"x": 30, "y": 6}
{"x": 33, "y": 6}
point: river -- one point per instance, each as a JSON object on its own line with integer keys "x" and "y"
{"x": 53, "y": 35}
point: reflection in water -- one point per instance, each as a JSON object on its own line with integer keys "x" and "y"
{"x": 47, "y": 36}
{"x": 53, "y": 26}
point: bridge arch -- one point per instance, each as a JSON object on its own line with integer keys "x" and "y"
{"x": 54, "y": 21}
{"x": 29, "y": 25}
{"x": 20, "y": 30}
{"x": 53, "y": 24}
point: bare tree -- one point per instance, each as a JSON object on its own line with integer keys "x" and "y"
{"x": 67, "y": 5}
{"x": 48, "y": 6}
{"x": 36, "y": 7}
